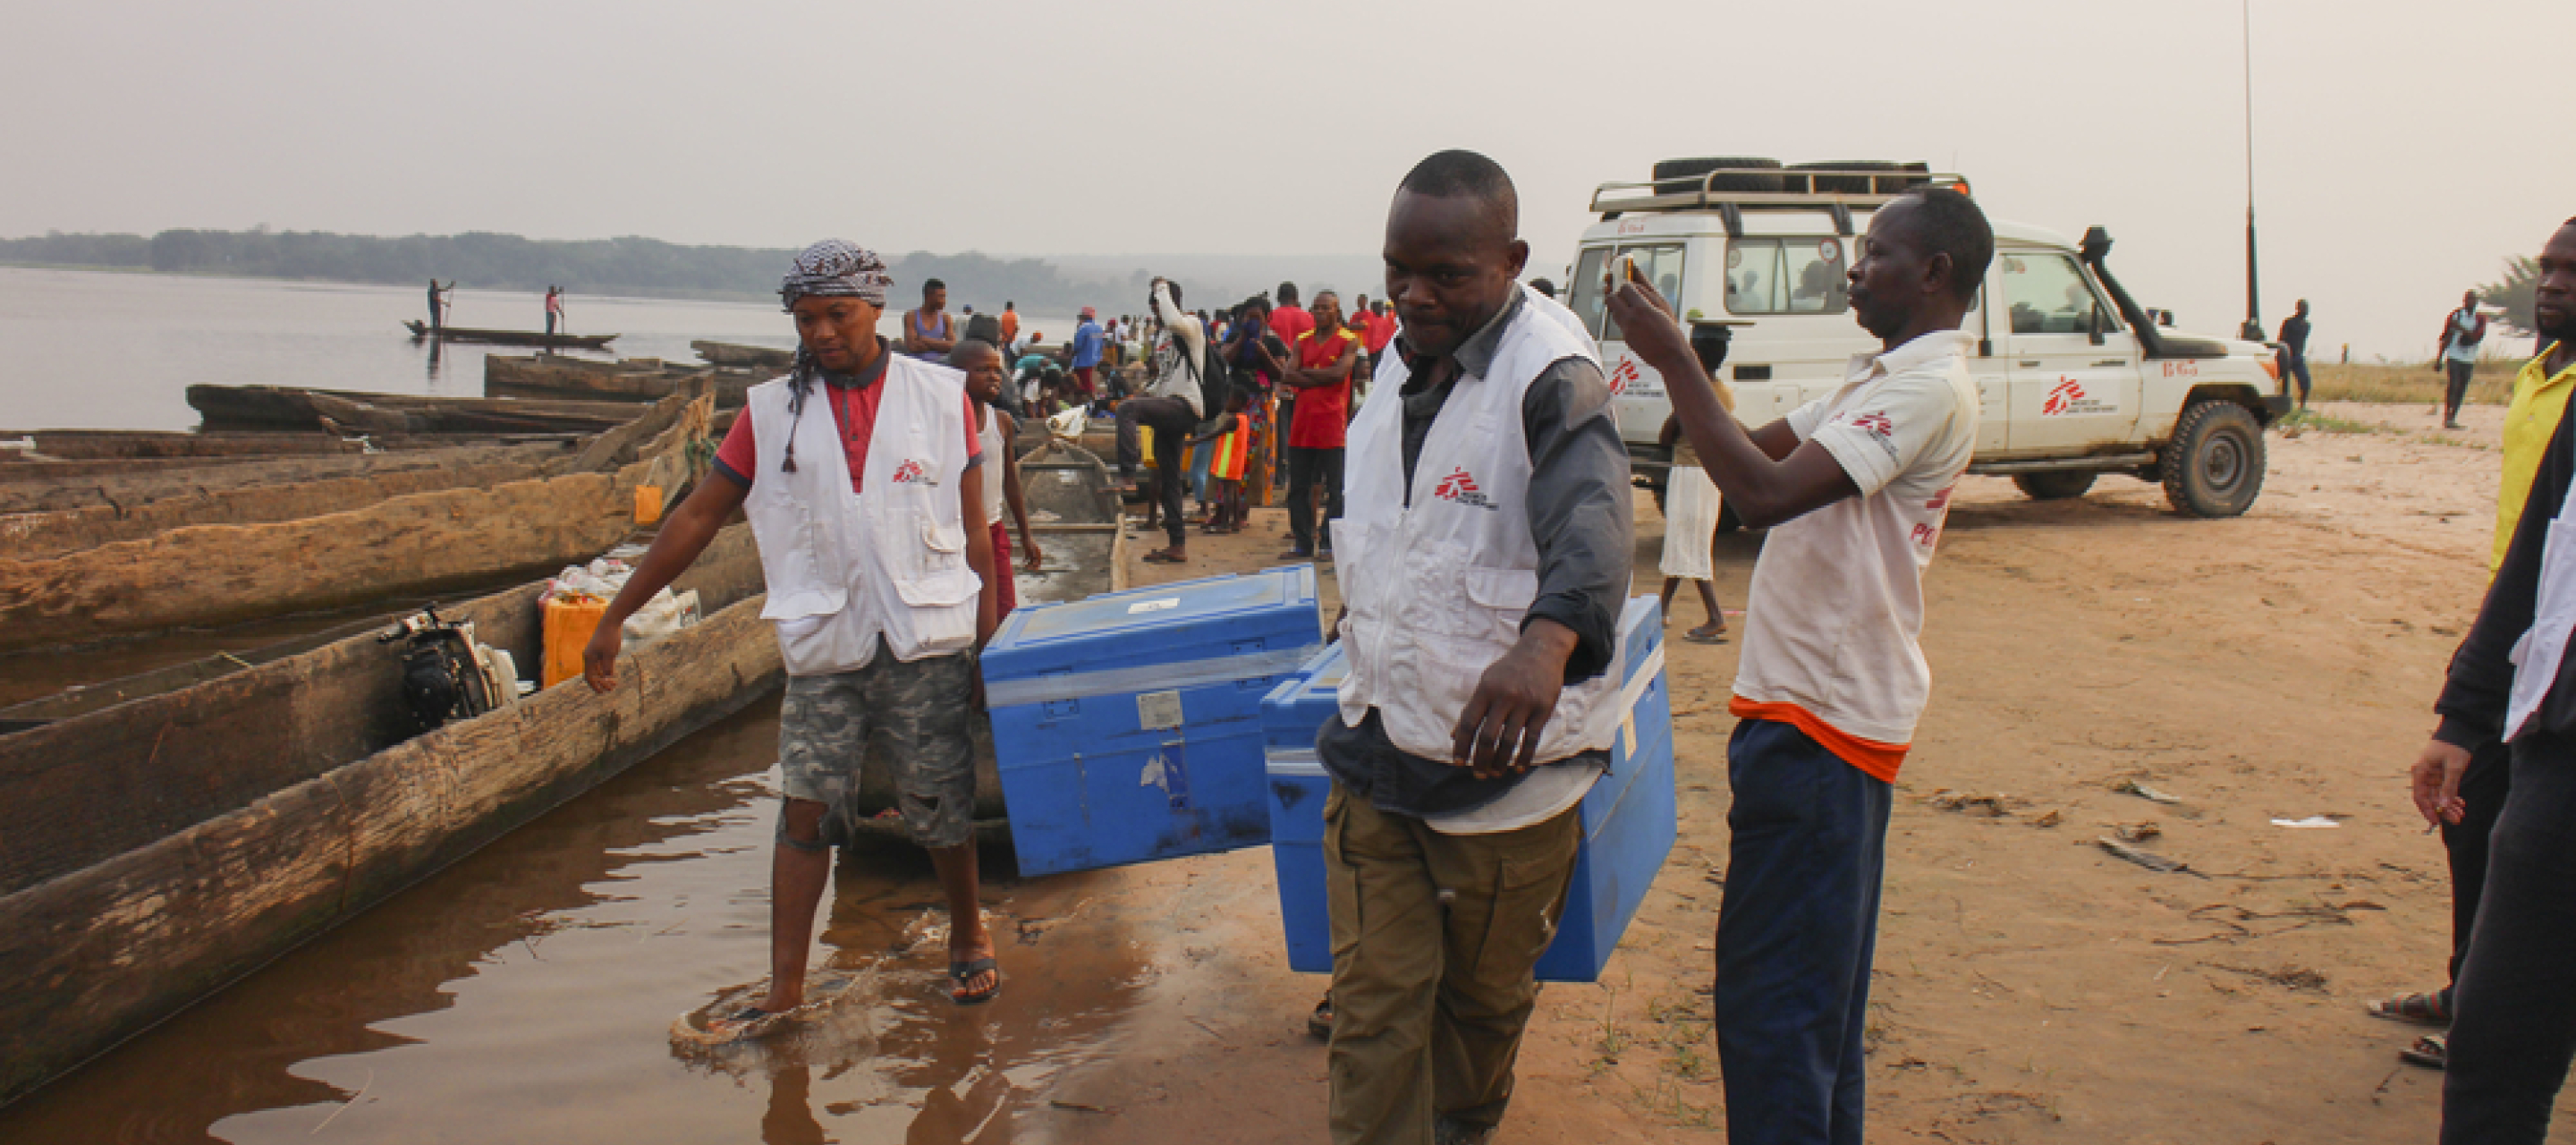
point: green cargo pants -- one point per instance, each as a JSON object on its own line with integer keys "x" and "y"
{"x": 1434, "y": 938}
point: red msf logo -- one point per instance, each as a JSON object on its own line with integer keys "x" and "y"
{"x": 1460, "y": 487}
{"x": 1876, "y": 423}
{"x": 910, "y": 472}
{"x": 2062, "y": 396}
{"x": 1624, "y": 375}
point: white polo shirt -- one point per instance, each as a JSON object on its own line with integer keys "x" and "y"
{"x": 1837, "y": 602}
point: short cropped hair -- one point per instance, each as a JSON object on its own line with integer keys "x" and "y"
{"x": 1948, "y": 222}
{"x": 1287, "y": 294}
{"x": 931, "y": 284}
{"x": 1454, "y": 174}
{"x": 973, "y": 346}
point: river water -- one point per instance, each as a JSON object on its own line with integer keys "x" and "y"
{"x": 529, "y": 992}
{"x": 92, "y": 350}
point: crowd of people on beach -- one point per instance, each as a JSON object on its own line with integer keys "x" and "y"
{"x": 1479, "y": 516}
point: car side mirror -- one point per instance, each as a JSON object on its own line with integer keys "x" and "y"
{"x": 2095, "y": 325}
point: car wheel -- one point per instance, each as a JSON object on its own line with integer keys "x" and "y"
{"x": 2054, "y": 486}
{"x": 2214, "y": 465}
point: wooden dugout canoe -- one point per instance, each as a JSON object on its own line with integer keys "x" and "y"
{"x": 126, "y": 484}
{"x": 164, "y": 846}
{"x": 553, "y": 376}
{"x": 737, "y": 354}
{"x": 353, "y": 411}
{"x": 512, "y": 337}
{"x": 414, "y": 543}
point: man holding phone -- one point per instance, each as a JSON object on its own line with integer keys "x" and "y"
{"x": 1854, "y": 488}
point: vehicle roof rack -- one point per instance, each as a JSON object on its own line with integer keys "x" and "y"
{"x": 1701, "y": 193}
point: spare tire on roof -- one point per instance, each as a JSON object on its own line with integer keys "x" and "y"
{"x": 1912, "y": 175}
{"x": 1837, "y": 184}
{"x": 1682, "y": 176}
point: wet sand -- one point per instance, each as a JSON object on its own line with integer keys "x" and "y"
{"x": 2029, "y": 988}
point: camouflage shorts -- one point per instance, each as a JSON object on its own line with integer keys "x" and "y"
{"x": 916, "y": 712}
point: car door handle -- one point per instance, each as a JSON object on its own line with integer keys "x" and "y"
{"x": 2111, "y": 362}
{"x": 2029, "y": 364}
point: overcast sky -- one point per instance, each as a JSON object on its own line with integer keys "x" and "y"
{"x": 2401, "y": 149}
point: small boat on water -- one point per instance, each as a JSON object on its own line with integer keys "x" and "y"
{"x": 198, "y": 822}
{"x": 751, "y": 357}
{"x": 512, "y": 337}
{"x": 629, "y": 379}
{"x": 356, "y": 412}
{"x": 75, "y": 575}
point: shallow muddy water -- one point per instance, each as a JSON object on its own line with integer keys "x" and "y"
{"x": 528, "y": 994}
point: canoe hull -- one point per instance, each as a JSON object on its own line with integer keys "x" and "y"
{"x": 102, "y": 952}
{"x": 512, "y": 337}
{"x": 415, "y": 543}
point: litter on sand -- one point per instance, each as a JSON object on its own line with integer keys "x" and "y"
{"x": 2148, "y": 859}
{"x": 2310, "y": 821}
{"x": 2142, "y": 791}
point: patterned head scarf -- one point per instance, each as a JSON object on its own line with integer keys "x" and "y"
{"x": 836, "y": 268}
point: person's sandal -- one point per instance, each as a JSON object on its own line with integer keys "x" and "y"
{"x": 2419, "y": 1009}
{"x": 2431, "y": 1051}
{"x": 1319, "y": 1024}
{"x": 961, "y": 973}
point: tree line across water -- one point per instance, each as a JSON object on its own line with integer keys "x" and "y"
{"x": 630, "y": 267}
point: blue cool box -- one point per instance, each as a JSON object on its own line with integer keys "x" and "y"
{"x": 1628, "y": 817}
{"x": 1127, "y": 727}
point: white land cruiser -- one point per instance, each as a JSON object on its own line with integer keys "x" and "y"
{"x": 2073, "y": 377}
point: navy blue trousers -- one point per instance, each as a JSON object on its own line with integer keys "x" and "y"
{"x": 2513, "y": 1034}
{"x": 1795, "y": 935}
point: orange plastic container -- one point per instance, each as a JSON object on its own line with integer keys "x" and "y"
{"x": 568, "y": 628}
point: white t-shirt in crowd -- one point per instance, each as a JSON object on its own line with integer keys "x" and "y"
{"x": 994, "y": 475}
{"x": 1836, "y": 607}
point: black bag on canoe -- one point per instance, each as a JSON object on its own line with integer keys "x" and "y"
{"x": 442, "y": 679}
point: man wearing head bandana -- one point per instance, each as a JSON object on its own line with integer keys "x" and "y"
{"x": 859, "y": 471}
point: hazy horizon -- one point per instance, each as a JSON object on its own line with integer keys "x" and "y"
{"x": 2399, "y": 158}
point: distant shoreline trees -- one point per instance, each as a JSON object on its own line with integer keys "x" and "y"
{"x": 631, "y": 267}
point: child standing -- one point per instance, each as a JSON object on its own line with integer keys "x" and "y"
{"x": 985, "y": 377}
{"x": 1691, "y": 506}
{"x": 1231, "y": 453}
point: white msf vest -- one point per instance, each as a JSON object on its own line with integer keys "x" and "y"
{"x": 1437, "y": 582}
{"x": 844, "y": 567}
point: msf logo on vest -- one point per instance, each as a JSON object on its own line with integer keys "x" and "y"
{"x": 912, "y": 473}
{"x": 1460, "y": 487}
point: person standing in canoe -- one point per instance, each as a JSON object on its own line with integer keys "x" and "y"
{"x": 554, "y": 309}
{"x": 438, "y": 303}
{"x": 879, "y": 568}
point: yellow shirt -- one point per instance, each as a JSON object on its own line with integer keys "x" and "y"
{"x": 2538, "y": 400}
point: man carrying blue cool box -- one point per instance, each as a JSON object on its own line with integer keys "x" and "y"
{"x": 860, "y": 472}
{"x": 1483, "y": 561}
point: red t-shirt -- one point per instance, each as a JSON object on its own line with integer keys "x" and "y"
{"x": 1290, "y": 321}
{"x": 1381, "y": 330}
{"x": 854, "y": 409}
{"x": 1323, "y": 413}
